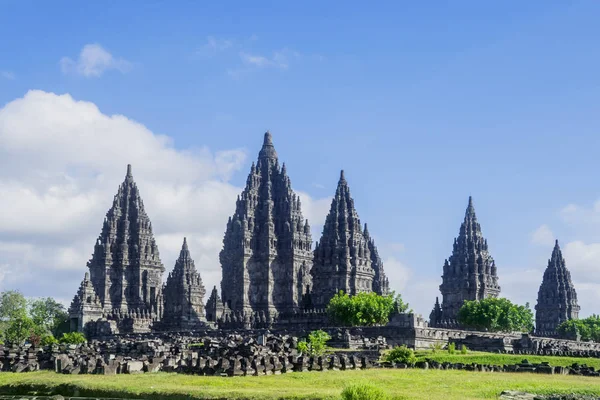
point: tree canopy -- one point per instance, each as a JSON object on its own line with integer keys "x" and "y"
{"x": 36, "y": 320}
{"x": 496, "y": 315}
{"x": 364, "y": 309}
{"x": 588, "y": 328}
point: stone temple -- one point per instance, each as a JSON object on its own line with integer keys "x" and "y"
{"x": 346, "y": 258}
{"x": 266, "y": 257}
{"x": 557, "y": 299}
{"x": 469, "y": 274}
{"x": 271, "y": 277}
{"x": 123, "y": 291}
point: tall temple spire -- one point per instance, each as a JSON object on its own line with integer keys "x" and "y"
{"x": 125, "y": 268}
{"x": 557, "y": 299}
{"x": 470, "y": 272}
{"x": 184, "y": 294}
{"x": 342, "y": 259}
{"x": 266, "y": 256}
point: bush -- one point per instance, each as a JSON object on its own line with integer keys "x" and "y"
{"x": 48, "y": 340}
{"x": 316, "y": 343}
{"x": 451, "y": 348}
{"x": 73, "y": 338}
{"x": 464, "y": 349}
{"x": 401, "y": 354}
{"x": 364, "y": 309}
{"x": 363, "y": 392}
{"x": 435, "y": 347}
{"x": 496, "y": 315}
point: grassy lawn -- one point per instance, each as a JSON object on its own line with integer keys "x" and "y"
{"x": 400, "y": 384}
{"x": 502, "y": 359}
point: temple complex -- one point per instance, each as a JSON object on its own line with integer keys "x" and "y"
{"x": 343, "y": 259}
{"x": 469, "y": 274}
{"x": 557, "y": 299}
{"x": 184, "y": 295}
{"x": 266, "y": 257}
{"x": 271, "y": 277}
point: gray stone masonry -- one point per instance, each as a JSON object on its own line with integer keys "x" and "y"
{"x": 557, "y": 299}
{"x": 125, "y": 269}
{"x": 342, "y": 258}
{"x": 266, "y": 256}
{"x": 469, "y": 274}
{"x": 184, "y": 295}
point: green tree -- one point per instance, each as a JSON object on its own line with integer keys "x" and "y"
{"x": 19, "y": 329}
{"x": 12, "y": 305}
{"x": 496, "y": 315}
{"x": 364, "y": 309}
{"x": 588, "y": 328}
{"x": 48, "y": 313}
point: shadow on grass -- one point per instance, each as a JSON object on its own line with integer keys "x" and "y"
{"x": 72, "y": 390}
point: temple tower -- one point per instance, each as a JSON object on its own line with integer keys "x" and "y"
{"x": 381, "y": 284}
{"x": 184, "y": 294}
{"x": 470, "y": 272}
{"x": 125, "y": 269}
{"x": 557, "y": 299}
{"x": 342, "y": 259}
{"x": 266, "y": 256}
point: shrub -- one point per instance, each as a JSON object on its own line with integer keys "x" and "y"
{"x": 464, "y": 349}
{"x": 48, "y": 340}
{"x": 401, "y": 354}
{"x": 435, "y": 347}
{"x": 303, "y": 347}
{"x": 363, "y": 392}
{"x": 73, "y": 338}
{"x": 451, "y": 348}
{"x": 316, "y": 343}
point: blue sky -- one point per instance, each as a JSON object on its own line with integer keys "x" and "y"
{"x": 421, "y": 104}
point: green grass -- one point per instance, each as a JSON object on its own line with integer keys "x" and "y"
{"x": 399, "y": 384}
{"x": 502, "y": 359}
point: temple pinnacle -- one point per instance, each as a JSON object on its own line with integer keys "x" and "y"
{"x": 268, "y": 150}
{"x": 129, "y": 174}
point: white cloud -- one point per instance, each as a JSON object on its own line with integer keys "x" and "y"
{"x": 397, "y": 273}
{"x": 61, "y": 162}
{"x": 93, "y": 61}
{"x": 214, "y": 45}
{"x": 7, "y": 75}
{"x": 280, "y": 59}
{"x": 543, "y": 236}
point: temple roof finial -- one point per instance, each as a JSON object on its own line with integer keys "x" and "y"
{"x": 129, "y": 174}
{"x": 268, "y": 150}
{"x": 342, "y": 177}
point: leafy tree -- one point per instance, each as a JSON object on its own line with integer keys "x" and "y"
{"x": 496, "y": 315}
{"x": 12, "y": 305}
{"x": 364, "y": 309}
{"x": 588, "y": 328}
{"x": 19, "y": 329}
{"x": 48, "y": 313}
{"x": 316, "y": 343}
